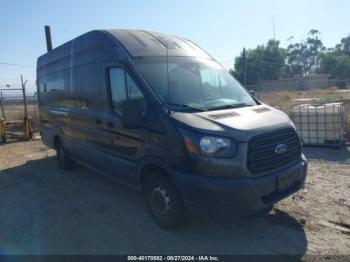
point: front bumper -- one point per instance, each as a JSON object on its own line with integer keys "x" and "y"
{"x": 238, "y": 196}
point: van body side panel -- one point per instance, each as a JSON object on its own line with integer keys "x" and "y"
{"x": 70, "y": 97}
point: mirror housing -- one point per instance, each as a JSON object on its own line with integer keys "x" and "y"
{"x": 133, "y": 113}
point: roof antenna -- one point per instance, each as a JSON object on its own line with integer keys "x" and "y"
{"x": 48, "y": 38}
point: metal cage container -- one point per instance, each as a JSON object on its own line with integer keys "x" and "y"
{"x": 320, "y": 124}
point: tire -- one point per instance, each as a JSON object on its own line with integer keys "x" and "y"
{"x": 262, "y": 213}
{"x": 64, "y": 161}
{"x": 266, "y": 211}
{"x": 164, "y": 203}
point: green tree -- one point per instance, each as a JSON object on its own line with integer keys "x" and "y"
{"x": 302, "y": 57}
{"x": 336, "y": 62}
{"x": 344, "y": 46}
{"x": 263, "y": 62}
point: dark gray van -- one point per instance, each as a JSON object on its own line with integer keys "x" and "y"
{"x": 158, "y": 114}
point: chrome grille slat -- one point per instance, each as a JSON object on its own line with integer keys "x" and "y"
{"x": 261, "y": 151}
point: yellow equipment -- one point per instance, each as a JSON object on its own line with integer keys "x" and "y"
{"x": 2, "y": 130}
{"x": 26, "y": 132}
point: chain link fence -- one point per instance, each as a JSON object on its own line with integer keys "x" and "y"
{"x": 300, "y": 84}
{"x": 284, "y": 94}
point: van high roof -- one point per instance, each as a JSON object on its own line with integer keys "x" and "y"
{"x": 131, "y": 43}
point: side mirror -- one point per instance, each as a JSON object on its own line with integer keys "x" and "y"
{"x": 133, "y": 113}
{"x": 252, "y": 92}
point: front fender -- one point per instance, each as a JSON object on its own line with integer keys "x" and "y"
{"x": 152, "y": 160}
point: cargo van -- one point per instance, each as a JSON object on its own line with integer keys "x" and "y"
{"x": 158, "y": 114}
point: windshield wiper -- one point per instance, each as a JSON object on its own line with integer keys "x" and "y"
{"x": 186, "y": 106}
{"x": 229, "y": 106}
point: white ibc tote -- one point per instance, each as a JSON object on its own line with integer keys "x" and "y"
{"x": 319, "y": 124}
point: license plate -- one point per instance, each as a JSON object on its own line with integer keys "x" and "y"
{"x": 285, "y": 181}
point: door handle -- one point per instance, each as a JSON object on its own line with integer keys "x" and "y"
{"x": 110, "y": 124}
{"x": 98, "y": 121}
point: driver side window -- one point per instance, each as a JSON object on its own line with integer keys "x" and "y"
{"x": 123, "y": 88}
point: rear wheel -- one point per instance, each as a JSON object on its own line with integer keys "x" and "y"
{"x": 64, "y": 161}
{"x": 164, "y": 202}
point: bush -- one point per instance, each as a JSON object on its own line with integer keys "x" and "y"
{"x": 341, "y": 84}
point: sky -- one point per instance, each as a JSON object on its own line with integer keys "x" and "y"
{"x": 221, "y": 27}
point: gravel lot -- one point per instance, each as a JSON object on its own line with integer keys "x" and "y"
{"x": 44, "y": 210}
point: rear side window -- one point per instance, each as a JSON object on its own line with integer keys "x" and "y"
{"x": 122, "y": 88}
{"x": 53, "y": 88}
{"x": 53, "y": 82}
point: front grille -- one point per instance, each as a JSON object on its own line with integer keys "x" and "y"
{"x": 261, "y": 151}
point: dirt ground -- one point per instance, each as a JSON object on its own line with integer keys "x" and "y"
{"x": 44, "y": 210}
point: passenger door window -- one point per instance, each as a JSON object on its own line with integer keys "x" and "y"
{"x": 132, "y": 91}
{"x": 122, "y": 88}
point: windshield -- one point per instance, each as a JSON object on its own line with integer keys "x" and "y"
{"x": 185, "y": 83}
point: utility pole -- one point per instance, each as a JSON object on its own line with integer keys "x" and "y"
{"x": 244, "y": 68}
{"x": 273, "y": 27}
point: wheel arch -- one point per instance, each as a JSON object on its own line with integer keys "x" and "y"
{"x": 151, "y": 164}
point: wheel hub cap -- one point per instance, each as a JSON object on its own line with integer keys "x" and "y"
{"x": 160, "y": 200}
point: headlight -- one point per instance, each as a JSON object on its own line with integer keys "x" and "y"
{"x": 208, "y": 145}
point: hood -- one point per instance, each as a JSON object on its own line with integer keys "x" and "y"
{"x": 239, "y": 123}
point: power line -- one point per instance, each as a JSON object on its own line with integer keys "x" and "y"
{"x": 10, "y": 64}
{"x": 14, "y": 78}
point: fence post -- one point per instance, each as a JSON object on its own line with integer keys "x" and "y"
{"x": 259, "y": 87}
{"x": 25, "y": 122}
{"x": 244, "y": 68}
{"x": 2, "y": 106}
{"x": 24, "y": 97}
{"x": 301, "y": 84}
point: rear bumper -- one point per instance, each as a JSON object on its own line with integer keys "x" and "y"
{"x": 238, "y": 196}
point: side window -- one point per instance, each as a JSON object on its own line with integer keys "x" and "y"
{"x": 132, "y": 91}
{"x": 52, "y": 88}
{"x": 118, "y": 91}
{"x": 122, "y": 88}
{"x": 86, "y": 94}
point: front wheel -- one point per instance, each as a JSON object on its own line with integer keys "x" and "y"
{"x": 164, "y": 202}
{"x": 261, "y": 213}
{"x": 64, "y": 161}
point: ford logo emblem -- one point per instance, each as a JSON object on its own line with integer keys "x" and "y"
{"x": 280, "y": 149}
